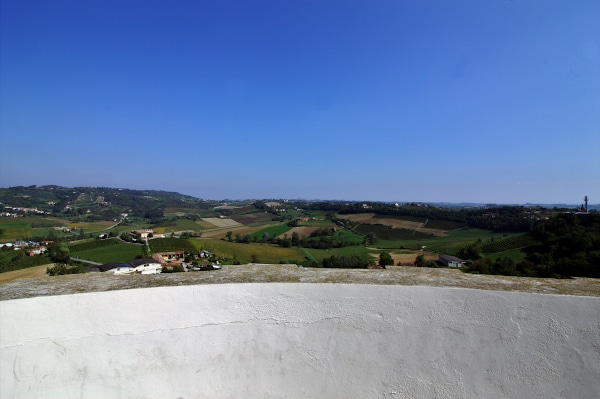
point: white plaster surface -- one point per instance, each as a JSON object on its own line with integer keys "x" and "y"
{"x": 300, "y": 341}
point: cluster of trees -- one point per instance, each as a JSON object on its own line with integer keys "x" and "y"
{"x": 344, "y": 262}
{"x": 505, "y": 218}
{"x": 567, "y": 245}
{"x": 326, "y": 241}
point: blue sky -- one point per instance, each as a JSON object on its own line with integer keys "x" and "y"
{"x": 474, "y": 101}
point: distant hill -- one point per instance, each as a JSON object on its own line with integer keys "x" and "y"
{"x": 102, "y": 203}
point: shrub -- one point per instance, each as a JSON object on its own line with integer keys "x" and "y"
{"x": 62, "y": 269}
{"x": 174, "y": 269}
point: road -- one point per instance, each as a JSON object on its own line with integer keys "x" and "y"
{"x": 86, "y": 261}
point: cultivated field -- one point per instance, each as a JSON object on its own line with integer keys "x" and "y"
{"x": 250, "y": 218}
{"x": 221, "y": 232}
{"x": 408, "y": 256}
{"x": 417, "y": 224}
{"x": 303, "y": 231}
{"x": 217, "y": 222}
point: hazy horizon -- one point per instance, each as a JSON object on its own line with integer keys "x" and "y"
{"x": 292, "y": 199}
{"x": 466, "y": 101}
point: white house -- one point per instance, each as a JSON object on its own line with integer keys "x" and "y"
{"x": 451, "y": 261}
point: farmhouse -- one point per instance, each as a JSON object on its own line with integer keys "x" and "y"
{"x": 451, "y": 261}
{"x": 36, "y": 251}
{"x": 142, "y": 233}
{"x": 169, "y": 259}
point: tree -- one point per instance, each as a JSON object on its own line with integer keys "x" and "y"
{"x": 229, "y": 234}
{"x": 385, "y": 259}
{"x": 295, "y": 239}
{"x": 470, "y": 252}
{"x": 59, "y": 253}
{"x": 420, "y": 261}
{"x": 62, "y": 268}
{"x": 371, "y": 238}
{"x": 254, "y": 259}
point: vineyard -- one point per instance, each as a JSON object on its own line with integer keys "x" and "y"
{"x": 89, "y": 245}
{"x": 448, "y": 248}
{"x": 507, "y": 244}
{"x": 489, "y": 246}
{"x": 172, "y": 244}
{"x": 442, "y": 224}
{"x": 114, "y": 253}
{"x": 17, "y": 260}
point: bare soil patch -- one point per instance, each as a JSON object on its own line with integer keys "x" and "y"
{"x": 368, "y": 218}
{"x": 410, "y": 257}
{"x": 36, "y": 271}
{"x": 221, "y": 233}
{"x": 358, "y": 217}
{"x": 252, "y": 218}
{"x": 303, "y": 231}
{"x": 395, "y": 223}
{"x": 221, "y": 222}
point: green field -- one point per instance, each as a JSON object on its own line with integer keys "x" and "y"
{"x": 14, "y": 228}
{"x": 316, "y": 223}
{"x": 26, "y": 227}
{"x": 460, "y": 238}
{"x": 266, "y": 253}
{"x": 89, "y": 244}
{"x": 349, "y": 236}
{"x": 272, "y": 231}
{"x": 387, "y": 233}
{"x": 115, "y": 253}
{"x": 181, "y": 225}
{"x": 172, "y": 244}
{"x": 320, "y": 254}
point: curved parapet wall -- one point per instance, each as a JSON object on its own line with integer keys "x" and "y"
{"x": 300, "y": 340}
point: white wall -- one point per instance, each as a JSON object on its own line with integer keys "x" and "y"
{"x": 300, "y": 340}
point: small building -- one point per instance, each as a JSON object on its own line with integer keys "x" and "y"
{"x": 451, "y": 261}
{"x": 137, "y": 266}
{"x": 169, "y": 259}
{"x": 36, "y": 251}
{"x": 204, "y": 254}
{"x": 142, "y": 233}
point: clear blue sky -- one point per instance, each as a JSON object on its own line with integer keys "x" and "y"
{"x": 476, "y": 101}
